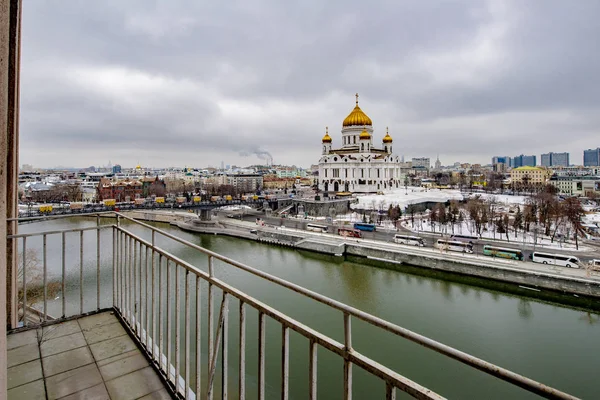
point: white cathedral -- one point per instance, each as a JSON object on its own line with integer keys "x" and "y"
{"x": 358, "y": 166}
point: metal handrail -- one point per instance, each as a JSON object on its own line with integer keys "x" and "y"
{"x": 465, "y": 358}
{"x": 126, "y": 256}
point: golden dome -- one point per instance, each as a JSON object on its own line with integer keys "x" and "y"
{"x": 326, "y": 138}
{"x": 387, "y": 138}
{"x": 357, "y": 117}
{"x": 365, "y": 135}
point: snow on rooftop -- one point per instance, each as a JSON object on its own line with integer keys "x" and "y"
{"x": 402, "y": 197}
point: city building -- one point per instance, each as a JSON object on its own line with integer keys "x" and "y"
{"x": 438, "y": 164}
{"x": 421, "y": 162}
{"x": 126, "y": 190}
{"x": 530, "y": 176}
{"x": 576, "y": 185}
{"x": 245, "y": 183}
{"x": 506, "y": 160}
{"x": 116, "y": 169}
{"x": 524, "y": 161}
{"x": 358, "y": 166}
{"x": 591, "y": 158}
{"x": 555, "y": 159}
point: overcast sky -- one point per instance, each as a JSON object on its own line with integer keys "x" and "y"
{"x": 176, "y": 83}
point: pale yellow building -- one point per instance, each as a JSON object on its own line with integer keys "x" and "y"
{"x": 534, "y": 176}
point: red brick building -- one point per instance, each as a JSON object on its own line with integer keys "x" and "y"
{"x": 125, "y": 190}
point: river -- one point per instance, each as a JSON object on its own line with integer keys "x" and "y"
{"x": 556, "y": 344}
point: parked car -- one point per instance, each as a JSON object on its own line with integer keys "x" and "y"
{"x": 595, "y": 265}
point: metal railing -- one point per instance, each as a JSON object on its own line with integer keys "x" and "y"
{"x": 159, "y": 297}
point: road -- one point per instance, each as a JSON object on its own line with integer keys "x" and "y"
{"x": 387, "y": 235}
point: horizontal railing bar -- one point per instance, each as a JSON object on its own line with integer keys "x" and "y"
{"x": 91, "y": 228}
{"x": 484, "y": 366}
{"x": 49, "y": 217}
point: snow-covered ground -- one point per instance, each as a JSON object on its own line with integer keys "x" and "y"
{"x": 500, "y": 198}
{"x": 467, "y": 229}
{"x": 402, "y": 197}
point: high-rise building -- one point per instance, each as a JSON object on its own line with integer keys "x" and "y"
{"x": 591, "y": 158}
{"x": 555, "y": 159}
{"x": 424, "y": 162}
{"x": 507, "y": 161}
{"x": 116, "y": 169}
{"x": 524, "y": 161}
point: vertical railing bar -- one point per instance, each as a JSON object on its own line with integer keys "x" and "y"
{"x": 115, "y": 257}
{"x": 224, "y": 348}
{"x": 153, "y": 305}
{"x": 285, "y": 362}
{"x": 126, "y": 288}
{"x": 131, "y": 285}
{"x": 213, "y": 362}
{"x": 136, "y": 256}
{"x": 261, "y": 355}
{"x": 198, "y": 337}
{"x": 347, "y": 362}
{"x": 24, "y": 281}
{"x": 210, "y": 324}
{"x": 139, "y": 291}
{"x": 177, "y": 328}
{"x": 390, "y": 391}
{"x": 81, "y": 272}
{"x": 45, "y": 267}
{"x": 122, "y": 271}
{"x": 242, "y": 373}
{"x": 146, "y": 299}
{"x": 64, "y": 268}
{"x": 312, "y": 370}
{"x": 98, "y": 266}
{"x": 160, "y": 306}
{"x": 168, "y": 298}
{"x": 187, "y": 336}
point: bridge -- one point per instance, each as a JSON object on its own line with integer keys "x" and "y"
{"x": 157, "y": 298}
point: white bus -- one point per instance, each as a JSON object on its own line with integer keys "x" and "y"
{"x": 412, "y": 240}
{"x": 316, "y": 228}
{"x": 454, "y": 245}
{"x": 465, "y": 238}
{"x": 555, "y": 259}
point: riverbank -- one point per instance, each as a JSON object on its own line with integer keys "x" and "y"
{"x": 529, "y": 275}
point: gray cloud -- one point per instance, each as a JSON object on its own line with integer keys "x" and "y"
{"x": 194, "y": 83}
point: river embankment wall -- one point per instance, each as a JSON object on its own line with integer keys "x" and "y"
{"x": 486, "y": 268}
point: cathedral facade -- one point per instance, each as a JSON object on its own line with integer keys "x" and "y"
{"x": 358, "y": 166}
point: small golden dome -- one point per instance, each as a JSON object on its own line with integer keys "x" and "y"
{"x": 326, "y": 138}
{"x": 387, "y": 138}
{"x": 357, "y": 117}
{"x": 365, "y": 135}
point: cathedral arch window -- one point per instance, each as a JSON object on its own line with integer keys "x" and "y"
{"x": 334, "y": 158}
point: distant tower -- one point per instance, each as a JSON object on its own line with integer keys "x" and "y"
{"x": 438, "y": 164}
{"x": 222, "y": 166}
{"x": 326, "y": 142}
{"x": 387, "y": 142}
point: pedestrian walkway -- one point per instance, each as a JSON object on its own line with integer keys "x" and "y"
{"x": 89, "y": 358}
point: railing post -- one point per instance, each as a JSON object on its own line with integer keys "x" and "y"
{"x": 347, "y": 362}
{"x": 242, "y": 351}
{"x": 261, "y": 355}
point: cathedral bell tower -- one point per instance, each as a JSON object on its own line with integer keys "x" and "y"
{"x": 326, "y": 142}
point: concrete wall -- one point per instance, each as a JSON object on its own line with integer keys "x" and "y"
{"x": 503, "y": 274}
{"x": 160, "y": 216}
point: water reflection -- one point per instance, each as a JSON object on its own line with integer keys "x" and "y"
{"x": 524, "y": 308}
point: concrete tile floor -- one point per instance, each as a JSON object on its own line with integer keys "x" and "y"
{"x": 89, "y": 358}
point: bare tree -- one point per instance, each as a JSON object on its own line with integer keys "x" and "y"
{"x": 573, "y": 212}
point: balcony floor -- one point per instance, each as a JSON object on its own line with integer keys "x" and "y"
{"x": 89, "y": 358}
